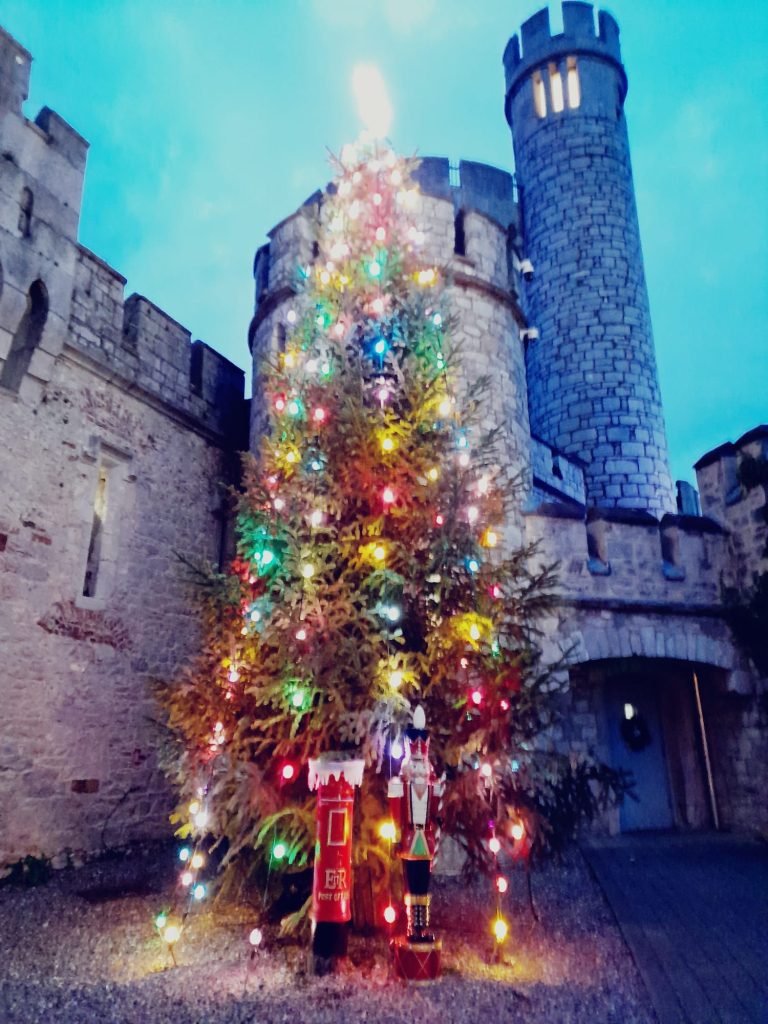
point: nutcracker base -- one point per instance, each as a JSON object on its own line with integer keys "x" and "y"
{"x": 417, "y": 962}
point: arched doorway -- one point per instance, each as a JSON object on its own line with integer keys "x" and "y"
{"x": 647, "y": 722}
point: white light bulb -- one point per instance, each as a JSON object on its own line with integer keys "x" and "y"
{"x": 396, "y": 679}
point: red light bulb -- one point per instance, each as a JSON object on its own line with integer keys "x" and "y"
{"x": 288, "y": 772}
{"x": 477, "y": 697}
{"x": 502, "y": 884}
{"x": 390, "y": 914}
{"x": 388, "y": 496}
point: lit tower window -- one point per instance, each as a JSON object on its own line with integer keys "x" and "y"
{"x": 556, "y": 88}
{"x": 574, "y": 85}
{"x": 539, "y": 95}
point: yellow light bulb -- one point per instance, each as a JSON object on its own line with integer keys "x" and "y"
{"x": 433, "y": 474}
{"x": 387, "y": 444}
{"x": 308, "y": 571}
{"x": 490, "y": 539}
{"x": 474, "y": 631}
{"x": 500, "y": 929}
{"x": 387, "y": 830}
{"x": 289, "y": 360}
{"x": 291, "y": 457}
{"x": 445, "y": 407}
{"x": 379, "y": 553}
{"x": 171, "y": 934}
{"x": 197, "y": 861}
{"x": 194, "y": 807}
{"x": 396, "y": 679}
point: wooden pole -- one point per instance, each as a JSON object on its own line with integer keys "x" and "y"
{"x": 705, "y": 747}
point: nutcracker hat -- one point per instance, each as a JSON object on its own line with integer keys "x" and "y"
{"x": 417, "y": 735}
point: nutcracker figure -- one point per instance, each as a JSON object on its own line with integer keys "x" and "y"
{"x": 414, "y": 797}
{"x": 334, "y": 779}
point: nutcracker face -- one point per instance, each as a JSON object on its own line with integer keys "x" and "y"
{"x": 416, "y": 774}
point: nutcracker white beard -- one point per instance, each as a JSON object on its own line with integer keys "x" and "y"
{"x": 416, "y": 776}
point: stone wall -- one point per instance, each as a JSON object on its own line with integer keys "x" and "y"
{"x": 118, "y": 434}
{"x": 78, "y": 752}
{"x": 733, "y": 483}
{"x": 592, "y": 379}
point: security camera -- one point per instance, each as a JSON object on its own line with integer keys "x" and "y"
{"x": 526, "y": 269}
{"x": 529, "y": 334}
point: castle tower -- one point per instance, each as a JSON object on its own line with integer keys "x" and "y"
{"x": 592, "y": 380}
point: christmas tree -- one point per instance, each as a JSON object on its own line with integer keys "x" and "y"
{"x": 373, "y": 572}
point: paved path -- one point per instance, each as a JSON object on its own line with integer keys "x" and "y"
{"x": 694, "y": 912}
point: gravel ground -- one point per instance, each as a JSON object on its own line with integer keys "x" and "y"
{"x": 65, "y": 959}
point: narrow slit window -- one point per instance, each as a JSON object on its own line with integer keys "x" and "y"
{"x": 556, "y": 88}
{"x": 539, "y": 95}
{"x": 26, "y": 205}
{"x": 574, "y": 85}
{"x": 459, "y": 237}
{"x": 93, "y": 562}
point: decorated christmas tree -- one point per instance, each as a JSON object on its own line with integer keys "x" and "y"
{"x": 373, "y": 570}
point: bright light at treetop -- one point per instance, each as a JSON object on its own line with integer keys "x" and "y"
{"x": 373, "y": 103}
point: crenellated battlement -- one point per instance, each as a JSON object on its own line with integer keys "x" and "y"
{"x": 627, "y": 555}
{"x": 485, "y": 197}
{"x": 733, "y": 484}
{"x": 130, "y": 340}
{"x": 15, "y": 64}
{"x": 141, "y": 343}
{"x": 536, "y": 43}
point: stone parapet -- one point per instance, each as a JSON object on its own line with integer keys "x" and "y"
{"x": 733, "y": 484}
{"x": 140, "y": 343}
{"x": 623, "y": 556}
{"x": 555, "y": 475}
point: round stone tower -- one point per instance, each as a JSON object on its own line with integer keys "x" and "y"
{"x": 592, "y": 381}
{"x": 469, "y": 215}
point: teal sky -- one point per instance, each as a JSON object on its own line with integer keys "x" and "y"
{"x": 210, "y": 120}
